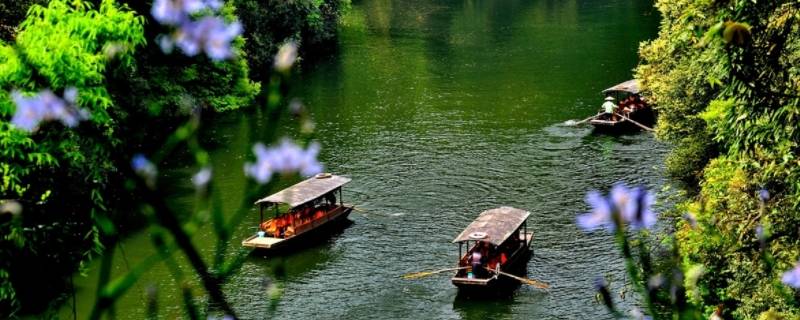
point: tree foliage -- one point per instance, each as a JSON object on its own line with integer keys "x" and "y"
{"x": 68, "y": 180}
{"x": 726, "y": 80}
{"x": 270, "y": 23}
{"x": 58, "y": 46}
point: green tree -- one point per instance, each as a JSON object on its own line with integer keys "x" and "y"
{"x": 726, "y": 78}
{"x": 268, "y": 24}
{"x": 36, "y": 167}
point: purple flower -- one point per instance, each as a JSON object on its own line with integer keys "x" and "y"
{"x": 201, "y": 178}
{"x": 167, "y": 11}
{"x": 209, "y": 34}
{"x": 641, "y": 214}
{"x": 792, "y": 277}
{"x": 218, "y": 43}
{"x": 760, "y": 233}
{"x": 763, "y": 195}
{"x": 600, "y": 216}
{"x": 285, "y": 158}
{"x": 46, "y": 106}
{"x": 624, "y": 200}
{"x": 633, "y": 206}
{"x": 143, "y": 167}
{"x": 174, "y": 12}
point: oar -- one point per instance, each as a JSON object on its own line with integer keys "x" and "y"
{"x": 418, "y": 275}
{"x": 357, "y": 209}
{"x": 636, "y": 123}
{"x": 534, "y": 283}
{"x": 582, "y": 121}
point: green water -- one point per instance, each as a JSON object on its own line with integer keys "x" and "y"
{"x": 439, "y": 110}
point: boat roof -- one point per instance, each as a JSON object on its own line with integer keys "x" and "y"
{"x": 307, "y": 190}
{"x": 630, "y": 86}
{"x": 497, "y": 225}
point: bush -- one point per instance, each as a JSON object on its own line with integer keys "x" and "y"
{"x": 726, "y": 80}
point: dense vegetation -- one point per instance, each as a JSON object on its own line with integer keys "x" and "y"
{"x": 268, "y": 24}
{"x": 726, "y": 78}
{"x": 69, "y": 181}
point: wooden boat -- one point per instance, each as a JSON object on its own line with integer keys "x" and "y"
{"x": 502, "y": 238}
{"x": 312, "y": 211}
{"x": 636, "y": 109}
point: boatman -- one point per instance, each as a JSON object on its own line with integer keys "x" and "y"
{"x": 610, "y": 107}
{"x": 477, "y": 259}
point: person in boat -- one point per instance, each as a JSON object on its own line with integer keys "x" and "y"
{"x": 477, "y": 261}
{"x": 610, "y": 108}
{"x": 331, "y": 198}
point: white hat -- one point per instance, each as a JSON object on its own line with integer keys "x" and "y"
{"x": 609, "y": 98}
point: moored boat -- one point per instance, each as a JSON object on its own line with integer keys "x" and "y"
{"x": 301, "y": 212}
{"x": 497, "y": 242}
{"x": 632, "y": 113}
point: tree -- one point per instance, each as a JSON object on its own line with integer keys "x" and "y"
{"x": 726, "y": 80}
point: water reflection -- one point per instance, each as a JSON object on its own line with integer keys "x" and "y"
{"x": 499, "y": 308}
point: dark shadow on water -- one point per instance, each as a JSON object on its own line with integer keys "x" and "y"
{"x": 494, "y": 306}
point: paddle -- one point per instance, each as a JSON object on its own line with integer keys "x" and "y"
{"x": 636, "y": 123}
{"x": 570, "y": 123}
{"x": 531, "y": 282}
{"x": 418, "y": 275}
{"x": 363, "y": 212}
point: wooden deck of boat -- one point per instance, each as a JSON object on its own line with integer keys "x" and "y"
{"x": 261, "y": 242}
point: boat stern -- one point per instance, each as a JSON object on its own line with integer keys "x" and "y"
{"x": 256, "y": 242}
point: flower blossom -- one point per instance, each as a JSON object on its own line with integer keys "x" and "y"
{"x": 209, "y": 34}
{"x": 46, "y": 106}
{"x": 763, "y": 195}
{"x": 285, "y": 158}
{"x": 202, "y": 178}
{"x": 600, "y": 216}
{"x": 792, "y": 277}
{"x": 631, "y": 206}
{"x": 286, "y": 56}
{"x": 144, "y": 167}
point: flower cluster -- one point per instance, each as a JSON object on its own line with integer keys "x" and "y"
{"x": 792, "y": 277}
{"x": 210, "y": 34}
{"x": 285, "y": 158}
{"x": 631, "y": 206}
{"x": 46, "y": 106}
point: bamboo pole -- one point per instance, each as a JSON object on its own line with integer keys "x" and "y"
{"x": 531, "y": 282}
{"x": 418, "y": 275}
{"x": 636, "y": 123}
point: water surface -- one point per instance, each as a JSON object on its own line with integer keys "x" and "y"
{"x": 439, "y": 110}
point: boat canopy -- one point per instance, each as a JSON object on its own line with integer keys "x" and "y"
{"x": 494, "y": 226}
{"x": 630, "y": 86}
{"x": 306, "y": 191}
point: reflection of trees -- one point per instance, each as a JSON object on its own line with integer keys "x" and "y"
{"x": 479, "y": 54}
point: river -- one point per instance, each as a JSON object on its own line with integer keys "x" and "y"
{"x": 439, "y": 110}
